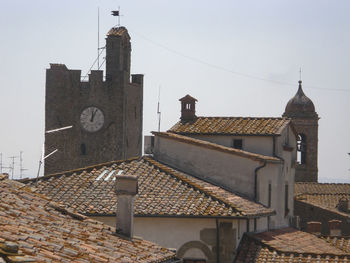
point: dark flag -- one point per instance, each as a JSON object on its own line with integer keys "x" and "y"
{"x": 115, "y": 13}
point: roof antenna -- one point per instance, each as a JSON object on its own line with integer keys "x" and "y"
{"x": 158, "y": 110}
{"x": 98, "y": 38}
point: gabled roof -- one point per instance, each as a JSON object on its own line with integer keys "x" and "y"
{"x": 47, "y": 232}
{"x": 231, "y": 126}
{"x": 325, "y": 201}
{"x": 163, "y": 191}
{"x": 323, "y": 195}
{"x": 288, "y": 245}
{"x": 321, "y": 188}
{"x": 217, "y": 147}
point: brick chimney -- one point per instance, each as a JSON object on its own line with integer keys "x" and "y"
{"x": 126, "y": 188}
{"x": 314, "y": 228}
{"x": 188, "y": 108}
{"x": 334, "y": 228}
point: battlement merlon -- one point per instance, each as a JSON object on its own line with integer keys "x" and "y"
{"x": 137, "y": 79}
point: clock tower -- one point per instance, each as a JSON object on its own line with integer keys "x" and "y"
{"x": 105, "y": 112}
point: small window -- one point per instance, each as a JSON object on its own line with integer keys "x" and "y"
{"x": 83, "y": 149}
{"x": 269, "y": 196}
{"x": 286, "y": 209}
{"x": 238, "y": 144}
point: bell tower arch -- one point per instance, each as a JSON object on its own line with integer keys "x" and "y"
{"x": 305, "y": 120}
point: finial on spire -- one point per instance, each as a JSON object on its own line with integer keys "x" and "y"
{"x": 300, "y": 74}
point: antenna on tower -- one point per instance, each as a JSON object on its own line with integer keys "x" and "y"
{"x": 158, "y": 110}
{"x": 98, "y": 38}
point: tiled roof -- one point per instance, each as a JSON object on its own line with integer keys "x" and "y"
{"x": 231, "y": 126}
{"x": 325, "y": 201}
{"x": 342, "y": 243}
{"x": 321, "y": 188}
{"x": 323, "y": 195}
{"x": 118, "y": 31}
{"x": 218, "y": 147}
{"x": 44, "y": 231}
{"x": 163, "y": 191}
{"x": 288, "y": 245}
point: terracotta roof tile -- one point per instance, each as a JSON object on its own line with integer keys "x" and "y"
{"x": 289, "y": 245}
{"x": 325, "y": 201}
{"x": 210, "y": 145}
{"x": 321, "y": 188}
{"x": 231, "y": 126}
{"x": 45, "y": 231}
{"x": 163, "y": 191}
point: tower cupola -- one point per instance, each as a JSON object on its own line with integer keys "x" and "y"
{"x": 300, "y": 105}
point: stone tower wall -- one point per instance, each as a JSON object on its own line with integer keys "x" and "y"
{"x": 308, "y": 172}
{"x": 119, "y": 99}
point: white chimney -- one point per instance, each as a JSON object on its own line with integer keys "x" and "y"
{"x": 126, "y": 188}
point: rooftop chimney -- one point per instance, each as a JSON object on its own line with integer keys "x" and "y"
{"x": 126, "y": 188}
{"x": 314, "y": 228}
{"x": 188, "y": 108}
{"x": 334, "y": 228}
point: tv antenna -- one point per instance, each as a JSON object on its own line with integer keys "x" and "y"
{"x": 1, "y": 164}
{"x": 43, "y": 157}
{"x": 158, "y": 110}
{"x": 21, "y": 169}
{"x": 12, "y": 165}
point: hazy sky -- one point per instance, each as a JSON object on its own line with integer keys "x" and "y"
{"x": 238, "y": 58}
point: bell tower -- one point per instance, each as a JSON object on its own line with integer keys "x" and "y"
{"x": 305, "y": 120}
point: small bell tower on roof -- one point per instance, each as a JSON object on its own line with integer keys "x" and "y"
{"x": 188, "y": 108}
{"x": 305, "y": 120}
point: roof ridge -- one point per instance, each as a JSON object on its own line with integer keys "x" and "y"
{"x": 242, "y": 153}
{"x": 242, "y": 117}
{"x": 71, "y": 172}
{"x": 316, "y": 183}
{"x": 207, "y": 192}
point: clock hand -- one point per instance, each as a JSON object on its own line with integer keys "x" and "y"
{"x": 93, "y": 115}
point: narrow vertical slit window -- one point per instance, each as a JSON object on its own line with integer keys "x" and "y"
{"x": 269, "y": 196}
{"x": 83, "y": 149}
{"x": 286, "y": 209}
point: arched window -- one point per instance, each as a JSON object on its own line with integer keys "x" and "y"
{"x": 83, "y": 149}
{"x": 301, "y": 154}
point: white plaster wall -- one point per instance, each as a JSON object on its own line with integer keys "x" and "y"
{"x": 175, "y": 232}
{"x": 255, "y": 144}
{"x": 282, "y": 174}
{"x": 235, "y": 173}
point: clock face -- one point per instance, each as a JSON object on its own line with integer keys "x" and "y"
{"x": 92, "y": 119}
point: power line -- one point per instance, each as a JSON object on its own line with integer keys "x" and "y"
{"x": 197, "y": 60}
